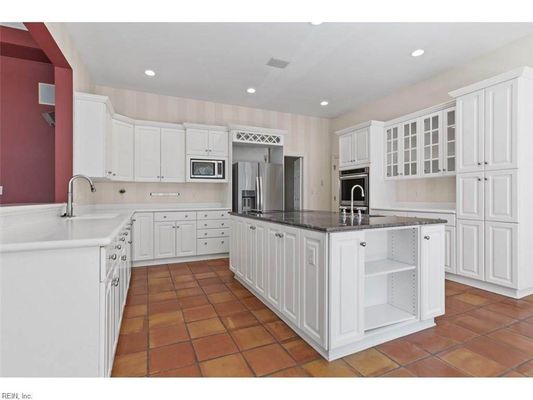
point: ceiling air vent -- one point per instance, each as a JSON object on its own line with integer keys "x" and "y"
{"x": 277, "y": 63}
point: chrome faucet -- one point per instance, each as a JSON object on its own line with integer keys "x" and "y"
{"x": 351, "y": 200}
{"x": 70, "y": 195}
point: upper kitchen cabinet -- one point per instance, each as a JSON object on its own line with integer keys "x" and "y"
{"x": 410, "y": 144}
{"x": 431, "y": 144}
{"x": 92, "y": 135}
{"x": 448, "y": 142}
{"x": 392, "y": 151}
{"x": 159, "y": 152}
{"x": 207, "y": 140}
{"x": 122, "y": 149}
{"x": 354, "y": 147}
{"x": 487, "y": 124}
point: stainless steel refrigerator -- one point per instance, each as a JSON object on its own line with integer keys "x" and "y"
{"x": 257, "y": 186}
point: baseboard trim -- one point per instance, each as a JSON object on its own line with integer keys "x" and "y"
{"x": 490, "y": 287}
{"x": 177, "y": 260}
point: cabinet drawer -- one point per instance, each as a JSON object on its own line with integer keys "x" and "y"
{"x": 213, "y": 214}
{"x": 213, "y": 223}
{"x": 450, "y": 218}
{"x": 210, "y": 233}
{"x": 212, "y": 246}
{"x": 175, "y": 216}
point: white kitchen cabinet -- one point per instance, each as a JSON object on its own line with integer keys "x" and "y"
{"x": 354, "y": 148}
{"x": 450, "y": 254}
{"x": 249, "y": 272}
{"x": 185, "y": 238}
{"x": 392, "y": 152}
{"x": 234, "y": 255}
{"x": 470, "y": 196}
{"x": 172, "y": 155}
{"x": 122, "y": 153}
{"x": 274, "y": 263}
{"x": 290, "y": 273}
{"x": 164, "y": 239}
{"x": 470, "y": 129}
{"x": 92, "y": 135}
{"x": 147, "y": 154}
{"x": 448, "y": 142}
{"x": 431, "y": 144}
{"x": 260, "y": 281}
{"x": 432, "y": 271}
{"x": 501, "y": 126}
{"x": 206, "y": 142}
{"x": 410, "y": 148}
{"x": 313, "y": 281}
{"x": 345, "y": 150}
{"x": 501, "y": 195}
{"x": 470, "y": 249}
{"x": 143, "y": 236}
{"x": 346, "y": 288}
{"x": 501, "y": 252}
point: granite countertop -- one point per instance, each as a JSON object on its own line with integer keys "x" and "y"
{"x": 327, "y": 221}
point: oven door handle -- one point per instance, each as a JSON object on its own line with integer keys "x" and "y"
{"x": 344, "y": 177}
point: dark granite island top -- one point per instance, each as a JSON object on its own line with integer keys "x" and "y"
{"x": 327, "y": 221}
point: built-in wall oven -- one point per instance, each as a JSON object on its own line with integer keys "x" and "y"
{"x": 350, "y": 178}
{"x": 207, "y": 169}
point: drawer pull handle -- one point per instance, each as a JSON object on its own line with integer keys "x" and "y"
{"x": 115, "y": 282}
{"x": 362, "y": 244}
{"x": 130, "y": 242}
{"x": 427, "y": 237}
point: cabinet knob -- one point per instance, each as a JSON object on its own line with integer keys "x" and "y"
{"x": 205, "y": 243}
{"x": 130, "y": 242}
{"x": 123, "y": 258}
{"x": 118, "y": 246}
{"x": 479, "y": 179}
{"x": 486, "y": 179}
{"x": 114, "y": 174}
{"x": 478, "y": 163}
{"x": 486, "y": 163}
{"x": 427, "y": 237}
{"x": 252, "y": 228}
{"x": 133, "y": 220}
{"x": 222, "y": 224}
{"x": 113, "y": 257}
{"x": 362, "y": 244}
{"x": 122, "y": 239}
{"x": 280, "y": 235}
{"x": 444, "y": 169}
{"x": 115, "y": 282}
{"x": 162, "y": 177}
{"x": 222, "y": 242}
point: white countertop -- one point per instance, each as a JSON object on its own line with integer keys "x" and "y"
{"x": 445, "y": 208}
{"x": 41, "y": 227}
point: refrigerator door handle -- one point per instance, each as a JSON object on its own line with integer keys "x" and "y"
{"x": 257, "y": 194}
{"x": 261, "y": 191}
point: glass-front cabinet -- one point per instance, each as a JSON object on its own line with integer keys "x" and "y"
{"x": 410, "y": 152}
{"x": 392, "y": 147}
{"x": 448, "y": 142}
{"x": 431, "y": 144}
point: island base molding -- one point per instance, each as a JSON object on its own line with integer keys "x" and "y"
{"x": 372, "y": 339}
{"x": 178, "y": 260}
{"x": 490, "y": 287}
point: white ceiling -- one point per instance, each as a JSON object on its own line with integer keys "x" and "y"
{"x": 346, "y": 64}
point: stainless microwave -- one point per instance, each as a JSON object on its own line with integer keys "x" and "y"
{"x": 207, "y": 169}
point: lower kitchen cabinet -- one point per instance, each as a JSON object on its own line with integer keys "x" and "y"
{"x": 143, "y": 236}
{"x": 274, "y": 263}
{"x": 164, "y": 239}
{"x": 450, "y": 255}
{"x": 470, "y": 250}
{"x": 431, "y": 272}
{"x": 501, "y": 252}
{"x": 185, "y": 238}
{"x": 289, "y": 240}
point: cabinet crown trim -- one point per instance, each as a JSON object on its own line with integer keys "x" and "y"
{"x": 189, "y": 125}
{"x": 96, "y": 98}
{"x": 359, "y": 126}
{"x": 257, "y": 129}
{"x": 420, "y": 113}
{"x": 526, "y": 72}
{"x": 159, "y": 124}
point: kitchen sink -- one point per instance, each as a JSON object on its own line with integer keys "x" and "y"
{"x": 95, "y": 216}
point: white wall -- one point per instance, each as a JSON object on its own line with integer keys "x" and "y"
{"x": 426, "y": 94}
{"x": 307, "y": 137}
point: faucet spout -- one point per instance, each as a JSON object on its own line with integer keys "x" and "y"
{"x": 351, "y": 198}
{"x": 70, "y": 193}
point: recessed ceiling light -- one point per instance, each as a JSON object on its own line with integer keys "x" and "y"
{"x": 324, "y": 103}
{"x": 149, "y": 72}
{"x": 250, "y": 90}
{"x": 417, "y": 52}
{"x": 315, "y": 23}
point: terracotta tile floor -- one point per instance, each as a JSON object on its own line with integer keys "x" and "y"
{"x": 195, "y": 319}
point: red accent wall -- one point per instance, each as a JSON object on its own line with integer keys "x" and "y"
{"x": 27, "y": 142}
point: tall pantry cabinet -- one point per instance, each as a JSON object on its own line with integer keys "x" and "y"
{"x": 494, "y": 198}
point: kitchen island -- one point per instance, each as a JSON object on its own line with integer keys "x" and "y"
{"x": 343, "y": 284}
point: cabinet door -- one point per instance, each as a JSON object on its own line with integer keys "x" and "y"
{"x": 361, "y": 142}
{"x": 432, "y": 271}
{"x": 185, "y": 238}
{"x": 218, "y": 144}
{"x": 250, "y": 245}
{"x": 109, "y": 326}
{"x": 346, "y": 288}
{"x": 501, "y": 250}
{"x": 143, "y": 236}
{"x": 260, "y": 259}
{"x": 122, "y": 151}
{"x": 470, "y": 196}
{"x": 346, "y": 150}
{"x": 500, "y": 126}
{"x": 274, "y": 266}
{"x": 431, "y": 144}
{"x": 470, "y": 110}
{"x": 147, "y": 154}
{"x": 501, "y": 196}
{"x": 197, "y": 142}
{"x": 448, "y": 142}
{"x": 290, "y": 274}
{"x": 470, "y": 249}
{"x": 449, "y": 251}
{"x": 172, "y": 155}
{"x": 410, "y": 146}
{"x": 165, "y": 239}
{"x": 313, "y": 278}
{"x": 393, "y": 152}
{"x": 244, "y": 231}
{"x": 234, "y": 255}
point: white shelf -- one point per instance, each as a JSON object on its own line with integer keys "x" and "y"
{"x": 385, "y": 266}
{"x": 383, "y": 315}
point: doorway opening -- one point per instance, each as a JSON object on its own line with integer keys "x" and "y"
{"x": 293, "y": 180}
